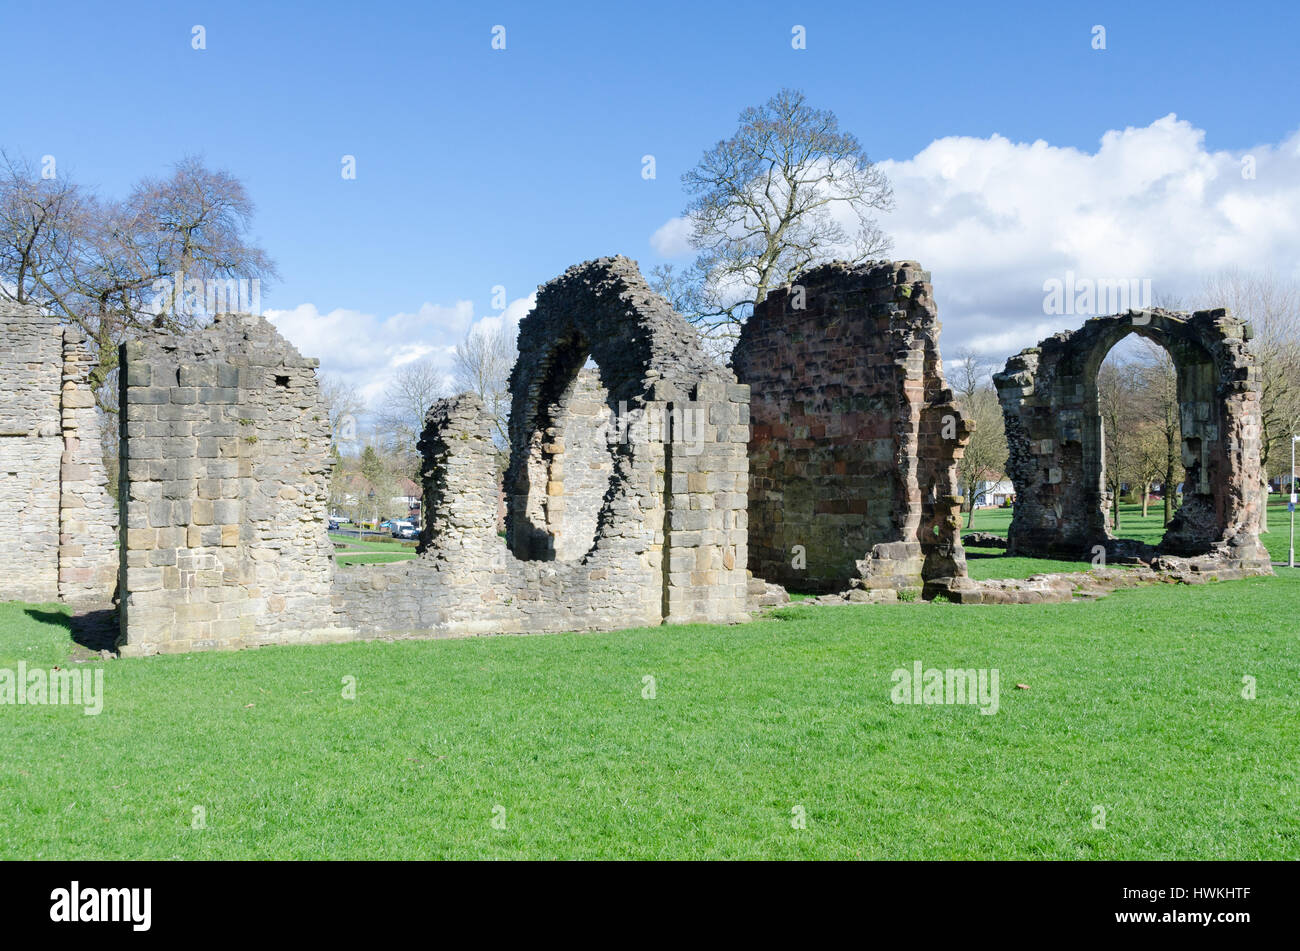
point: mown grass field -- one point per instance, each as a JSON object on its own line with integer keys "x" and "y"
{"x": 983, "y": 563}
{"x": 1134, "y": 703}
{"x": 1149, "y": 528}
{"x": 986, "y": 563}
{"x": 370, "y": 550}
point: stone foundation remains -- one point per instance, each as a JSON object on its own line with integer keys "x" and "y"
{"x": 54, "y": 502}
{"x": 1054, "y": 434}
{"x": 856, "y": 437}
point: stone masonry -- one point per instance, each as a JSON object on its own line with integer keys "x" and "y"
{"x": 1054, "y": 434}
{"x": 635, "y": 481}
{"x": 856, "y": 437}
{"x": 88, "y": 561}
{"x": 53, "y": 485}
{"x": 676, "y": 435}
{"x": 570, "y": 464}
{"x": 625, "y": 494}
{"x": 626, "y": 502}
{"x": 225, "y": 473}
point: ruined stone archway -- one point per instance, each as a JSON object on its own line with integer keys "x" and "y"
{"x": 226, "y": 463}
{"x": 559, "y": 487}
{"x": 623, "y": 454}
{"x": 1056, "y": 440}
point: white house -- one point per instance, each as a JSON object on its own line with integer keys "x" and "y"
{"x": 993, "y": 494}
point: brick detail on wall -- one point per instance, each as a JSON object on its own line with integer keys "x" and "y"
{"x": 855, "y": 434}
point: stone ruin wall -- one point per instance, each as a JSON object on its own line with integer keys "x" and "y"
{"x": 53, "y": 485}
{"x": 225, "y": 471}
{"x": 570, "y": 465}
{"x": 225, "y": 485}
{"x": 603, "y": 531}
{"x": 1056, "y": 442}
{"x": 87, "y": 512}
{"x": 636, "y": 483}
{"x": 856, "y": 437}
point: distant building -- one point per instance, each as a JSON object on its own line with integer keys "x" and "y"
{"x": 993, "y": 493}
{"x": 408, "y": 498}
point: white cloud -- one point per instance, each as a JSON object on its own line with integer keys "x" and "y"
{"x": 993, "y": 219}
{"x": 673, "y": 238}
{"x": 364, "y": 349}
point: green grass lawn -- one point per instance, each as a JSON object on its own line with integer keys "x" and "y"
{"x": 986, "y": 563}
{"x": 982, "y": 563}
{"x": 370, "y": 550}
{"x": 1134, "y": 704}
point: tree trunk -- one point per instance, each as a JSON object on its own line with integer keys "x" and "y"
{"x": 1263, "y": 509}
{"x": 1169, "y": 493}
{"x": 1114, "y": 503}
{"x": 1146, "y": 497}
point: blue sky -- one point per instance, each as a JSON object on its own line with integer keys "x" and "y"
{"x": 478, "y": 167}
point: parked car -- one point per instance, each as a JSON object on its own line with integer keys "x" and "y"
{"x": 397, "y": 526}
{"x": 409, "y": 533}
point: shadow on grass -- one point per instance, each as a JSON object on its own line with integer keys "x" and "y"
{"x": 96, "y": 630}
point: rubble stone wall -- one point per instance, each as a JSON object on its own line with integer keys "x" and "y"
{"x": 1056, "y": 441}
{"x": 570, "y": 464}
{"x": 855, "y": 435}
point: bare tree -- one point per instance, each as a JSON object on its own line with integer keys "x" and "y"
{"x": 769, "y": 203}
{"x": 43, "y": 222}
{"x": 1157, "y": 378}
{"x": 115, "y": 267}
{"x": 413, "y": 389}
{"x": 345, "y": 406}
{"x": 1117, "y": 399}
{"x": 1271, "y": 305}
{"x": 985, "y": 457}
{"x": 482, "y": 366}
{"x": 1147, "y": 456}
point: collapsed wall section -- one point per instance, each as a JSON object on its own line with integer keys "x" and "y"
{"x": 625, "y": 491}
{"x": 855, "y": 434}
{"x": 225, "y": 469}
